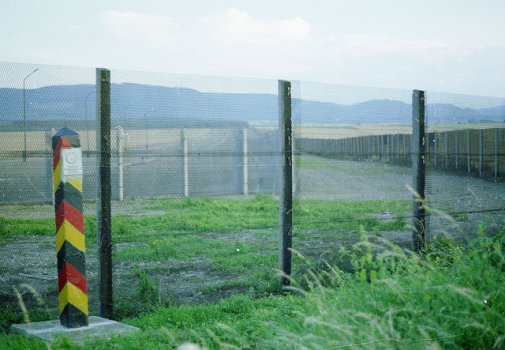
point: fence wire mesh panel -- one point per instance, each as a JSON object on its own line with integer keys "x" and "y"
{"x": 35, "y": 102}
{"x": 464, "y": 165}
{"x": 198, "y": 159}
{"x": 195, "y": 175}
{"x": 198, "y": 168}
{"x": 354, "y": 173}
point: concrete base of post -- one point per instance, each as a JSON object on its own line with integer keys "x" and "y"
{"x": 50, "y": 330}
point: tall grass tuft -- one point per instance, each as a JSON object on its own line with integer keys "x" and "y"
{"x": 448, "y": 299}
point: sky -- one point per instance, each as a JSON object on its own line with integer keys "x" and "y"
{"x": 435, "y": 45}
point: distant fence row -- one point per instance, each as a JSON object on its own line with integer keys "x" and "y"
{"x": 198, "y": 162}
{"x": 165, "y": 162}
{"x": 478, "y": 152}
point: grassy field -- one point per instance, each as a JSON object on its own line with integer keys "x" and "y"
{"x": 347, "y": 131}
{"x": 219, "y": 246}
{"x": 372, "y": 295}
{"x": 12, "y": 141}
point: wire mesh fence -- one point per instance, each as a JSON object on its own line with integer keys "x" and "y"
{"x": 196, "y": 173}
{"x": 464, "y": 161}
{"x": 348, "y": 185}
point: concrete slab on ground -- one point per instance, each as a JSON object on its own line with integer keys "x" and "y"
{"x": 98, "y": 328}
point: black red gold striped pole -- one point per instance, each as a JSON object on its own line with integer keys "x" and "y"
{"x": 70, "y": 244}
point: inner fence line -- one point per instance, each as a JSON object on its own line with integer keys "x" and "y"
{"x": 186, "y": 137}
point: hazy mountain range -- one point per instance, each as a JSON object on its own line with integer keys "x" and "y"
{"x": 152, "y": 104}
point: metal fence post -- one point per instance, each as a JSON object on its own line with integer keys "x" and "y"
{"x": 481, "y": 151}
{"x": 435, "y": 148}
{"x": 285, "y": 197}
{"x": 360, "y": 148}
{"x": 456, "y": 148}
{"x": 103, "y": 146}
{"x": 119, "y": 160}
{"x": 369, "y": 146}
{"x": 427, "y": 143}
{"x": 390, "y": 147}
{"x": 70, "y": 242}
{"x": 418, "y": 167}
{"x": 404, "y": 148}
{"x": 396, "y": 149}
{"x": 469, "y": 152}
{"x": 382, "y": 146}
{"x": 496, "y": 152}
{"x": 446, "y": 141}
{"x": 185, "y": 164}
{"x": 293, "y": 164}
{"x": 245, "y": 164}
{"x": 49, "y": 165}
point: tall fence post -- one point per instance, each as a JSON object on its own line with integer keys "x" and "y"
{"x": 427, "y": 143}
{"x": 245, "y": 163}
{"x": 446, "y": 144}
{"x": 398, "y": 147}
{"x": 481, "y": 151}
{"x": 389, "y": 142}
{"x": 382, "y": 146}
{"x": 70, "y": 242}
{"x": 418, "y": 167}
{"x": 435, "y": 148}
{"x": 49, "y": 165}
{"x": 468, "y": 151}
{"x": 285, "y": 197}
{"x": 496, "y": 152}
{"x": 103, "y": 146}
{"x": 404, "y": 148}
{"x": 119, "y": 160}
{"x": 185, "y": 164}
{"x": 456, "y": 149}
{"x": 293, "y": 165}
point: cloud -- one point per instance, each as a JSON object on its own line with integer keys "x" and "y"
{"x": 366, "y": 44}
{"x": 133, "y": 26}
{"x": 238, "y": 27}
{"x": 233, "y": 42}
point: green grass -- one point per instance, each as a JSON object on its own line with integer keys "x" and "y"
{"x": 181, "y": 228}
{"x": 11, "y": 227}
{"x": 433, "y": 302}
{"x": 180, "y": 217}
{"x": 201, "y": 215}
{"x": 24, "y": 227}
{"x": 349, "y": 215}
{"x": 234, "y": 240}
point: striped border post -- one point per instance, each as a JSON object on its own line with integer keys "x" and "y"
{"x": 70, "y": 244}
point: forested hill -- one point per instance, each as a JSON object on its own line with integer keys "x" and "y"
{"x": 159, "y": 103}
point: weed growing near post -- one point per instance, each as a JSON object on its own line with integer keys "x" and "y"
{"x": 147, "y": 291}
{"x": 421, "y": 302}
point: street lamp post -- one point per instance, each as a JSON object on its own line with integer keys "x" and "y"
{"x": 24, "y": 112}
